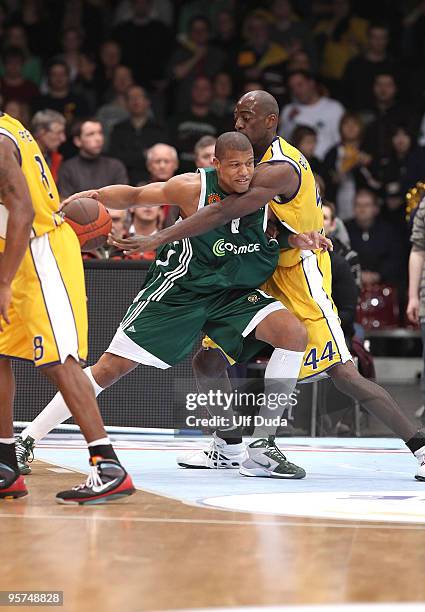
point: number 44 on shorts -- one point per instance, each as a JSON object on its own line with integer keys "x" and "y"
{"x": 312, "y": 360}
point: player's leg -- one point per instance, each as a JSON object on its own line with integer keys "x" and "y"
{"x": 12, "y": 484}
{"x": 226, "y": 449}
{"x": 379, "y": 402}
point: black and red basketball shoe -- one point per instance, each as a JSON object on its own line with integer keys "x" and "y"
{"x": 12, "y": 483}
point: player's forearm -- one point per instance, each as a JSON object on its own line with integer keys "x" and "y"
{"x": 118, "y": 197}
{"x": 416, "y": 262}
{"x": 17, "y": 239}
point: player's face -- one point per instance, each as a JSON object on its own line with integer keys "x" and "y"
{"x": 235, "y": 171}
{"x": 250, "y": 121}
{"x": 205, "y": 157}
{"x": 91, "y": 139}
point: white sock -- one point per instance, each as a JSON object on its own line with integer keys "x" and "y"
{"x": 280, "y": 377}
{"x": 7, "y": 440}
{"x": 55, "y": 413}
{"x": 99, "y": 442}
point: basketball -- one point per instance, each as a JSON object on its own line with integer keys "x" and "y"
{"x": 90, "y": 221}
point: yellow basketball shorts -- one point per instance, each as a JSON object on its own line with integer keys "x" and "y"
{"x": 305, "y": 290}
{"x": 48, "y": 312}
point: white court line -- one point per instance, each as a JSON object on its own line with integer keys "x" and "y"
{"x": 140, "y": 519}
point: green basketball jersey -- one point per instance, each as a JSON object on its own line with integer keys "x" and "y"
{"x": 238, "y": 255}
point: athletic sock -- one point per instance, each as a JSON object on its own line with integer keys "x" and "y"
{"x": 7, "y": 453}
{"x": 417, "y": 442}
{"x": 102, "y": 448}
{"x": 280, "y": 379}
{"x": 226, "y": 435}
{"x": 55, "y": 413}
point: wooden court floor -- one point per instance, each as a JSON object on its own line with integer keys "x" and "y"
{"x": 155, "y": 553}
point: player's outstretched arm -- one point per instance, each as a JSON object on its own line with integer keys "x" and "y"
{"x": 15, "y": 196}
{"x": 121, "y": 197}
{"x": 269, "y": 180}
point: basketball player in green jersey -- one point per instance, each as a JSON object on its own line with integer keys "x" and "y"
{"x": 302, "y": 279}
{"x": 208, "y": 283}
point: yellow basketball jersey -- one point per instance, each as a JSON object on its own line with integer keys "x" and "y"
{"x": 42, "y": 188}
{"x": 302, "y": 213}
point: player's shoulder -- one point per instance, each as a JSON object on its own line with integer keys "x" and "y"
{"x": 184, "y": 184}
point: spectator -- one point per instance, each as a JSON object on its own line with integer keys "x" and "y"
{"x": 72, "y": 42}
{"x": 299, "y": 60}
{"x": 120, "y": 222}
{"x": 337, "y": 232}
{"x": 189, "y": 127}
{"x": 205, "y": 152}
{"x": 145, "y": 43}
{"x": 116, "y": 110}
{"x": 260, "y": 58}
{"x": 384, "y": 114}
{"x": 85, "y": 84}
{"x": 18, "y": 110}
{"x": 223, "y": 103}
{"x": 147, "y": 220}
{"x": 361, "y": 71}
{"x": 311, "y": 108}
{"x": 346, "y": 165}
{"x": 36, "y": 18}
{"x": 89, "y": 169}
{"x": 341, "y": 38}
{"x": 16, "y": 37}
{"x": 195, "y": 57}
{"x": 161, "y": 9}
{"x": 227, "y": 38}
{"x": 290, "y": 32}
{"x": 131, "y": 138}
{"x": 48, "y": 128}
{"x": 304, "y": 138}
{"x": 110, "y": 59}
{"x": 60, "y": 97}
{"x": 162, "y": 163}
{"x": 13, "y": 85}
{"x": 377, "y": 244}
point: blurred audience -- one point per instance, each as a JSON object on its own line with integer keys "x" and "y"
{"x": 13, "y": 85}
{"x": 204, "y": 152}
{"x": 48, "y": 128}
{"x": 89, "y": 169}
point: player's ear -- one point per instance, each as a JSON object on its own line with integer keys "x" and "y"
{"x": 271, "y": 120}
{"x": 216, "y": 163}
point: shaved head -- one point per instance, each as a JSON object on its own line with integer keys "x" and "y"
{"x": 231, "y": 141}
{"x": 264, "y": 102}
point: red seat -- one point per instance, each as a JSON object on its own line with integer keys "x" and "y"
{"x": 378, "y": 307}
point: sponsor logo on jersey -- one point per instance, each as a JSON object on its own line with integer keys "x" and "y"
{"x": 213, "y": 197}
{"x": 253, "y": 298}
{"x": 220, "y": 247}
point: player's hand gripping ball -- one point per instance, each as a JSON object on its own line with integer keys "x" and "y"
{"x": 90, "y": 221}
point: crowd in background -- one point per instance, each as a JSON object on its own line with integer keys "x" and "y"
{"x": 122, "y": 92}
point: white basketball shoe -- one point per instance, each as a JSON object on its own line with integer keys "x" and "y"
{"x": 218, "y": 455}
{"x": 420, "y": 456}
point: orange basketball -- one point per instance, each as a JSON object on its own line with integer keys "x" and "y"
{"x": 90, "y": 221}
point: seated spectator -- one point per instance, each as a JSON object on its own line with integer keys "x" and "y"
{"x": 345, "y": 166}
{"x": 72, "y": 43}
{"x": 38, "y": 20}
{"x": 110, "y": 59}
{"x": 48, "y": 128}
{"x": 341, "y": 38}
{"x": 337, "y": 232}
{"x": 304, "y": 138}
{"x": 89, "y": 169}
{"x": 261, "y": 59}
{"x": 60, "y": 96}
{"x": 162, "y": 163}
{"x": 131, "y": 138}
{"x": 359, "y": 76}
{"x": 147, "y": 220}
{"x": 13, "y": 84}
{"x": 376, "y": 242}
{"x": 146, "y": 44}
{"x": 116, "y": 109}
{"x": 289, "y": 31}
{"x": 18, "y": 110}
{"x": 85, "y": 83}
{"x": 205, "y": 152}
{"x": 121, "y": 221}
{"x": 227, "y": 38}
{"x": 16, "y": 38}
{"x": 386, "y": 112}
{"x": 310, "y": 108}
{"x": 187, "y": 128}
{"x": 195, "y": 57}
{"x": 223, "y": 103}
